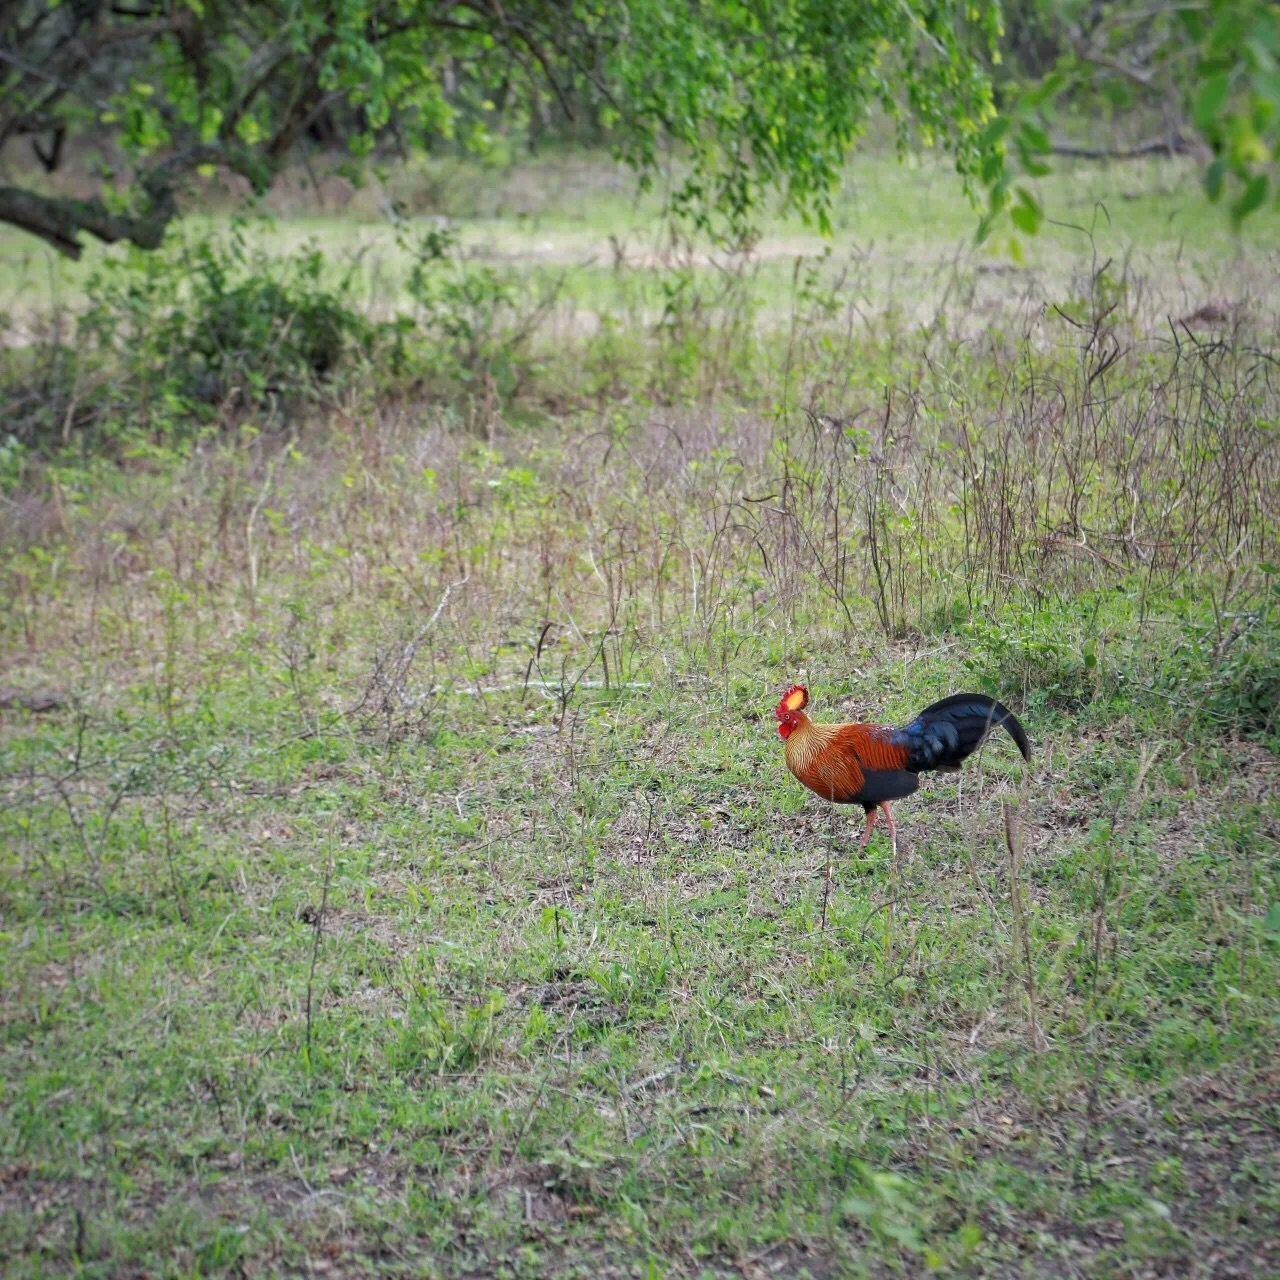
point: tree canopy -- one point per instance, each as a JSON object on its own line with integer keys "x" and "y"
{"x": 753, "y": 95}
{"x": 760, "y": 94}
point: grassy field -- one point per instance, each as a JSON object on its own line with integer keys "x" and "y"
{"x": 400, "y": 874}
{"x": 903, "y": 239}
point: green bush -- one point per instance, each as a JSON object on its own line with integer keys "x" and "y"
{"x": 477, "y": 323}
{"x": 1223, "y": 672}
{"x": 216, "y": 322}
{"x": 212, "y": 331}
{"x": 1229, "y": 669}
{"x": 202, "y": 334}
{"x": 1049, "y": 653}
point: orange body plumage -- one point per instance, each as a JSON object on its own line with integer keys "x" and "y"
{"x": 835, "y": 759}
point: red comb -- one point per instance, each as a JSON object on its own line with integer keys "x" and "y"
{"x": 788, "y": 702}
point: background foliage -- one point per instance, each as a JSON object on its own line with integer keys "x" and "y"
{"x": 754, "y": 96}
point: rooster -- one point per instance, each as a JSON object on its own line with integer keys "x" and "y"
{"x": 871, "y": 765}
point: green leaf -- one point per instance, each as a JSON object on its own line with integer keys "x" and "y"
{"x": 1034, "y": 138}
{"x": 1192, "y": 21}
{"x": 1266, "y": 84}
{"x": 1024, "y": 219}
{"x": 1210, "y": 99}
{"x": 1026, "y": 212}
{"x": 1119, "y": 93}
{"x": 1229, "y": 30}
{"x": 1049, "y": 87}
{"x": 995, "y": 130}
{"x": 1255, "y": 192}
{"x": 1271, "y": 921}
{"x": 1214, "y": 176}
{"x": 1262, "y": 57}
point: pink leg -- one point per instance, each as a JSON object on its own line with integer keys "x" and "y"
{"x": 893, "y": 831}
{"x": 888, "y": 817}
{"x": 893, "y": 880}
{"x": 866, "y": 831}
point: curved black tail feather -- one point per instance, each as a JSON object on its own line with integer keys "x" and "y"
{"x": 947, "y": 732}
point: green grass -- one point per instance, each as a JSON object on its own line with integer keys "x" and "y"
{"x": 902, "y": 237}
{"x": 409, "y": 881}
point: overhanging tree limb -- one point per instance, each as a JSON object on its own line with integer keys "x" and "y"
{"x": 60, "y": 221}
{"x": 1176, "y": 145}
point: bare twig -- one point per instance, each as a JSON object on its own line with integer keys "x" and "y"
{"x": 318, "y": 930}
{"x": 1013, "y": 839}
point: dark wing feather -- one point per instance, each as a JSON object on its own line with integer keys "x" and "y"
{"x": 879, "y": 785}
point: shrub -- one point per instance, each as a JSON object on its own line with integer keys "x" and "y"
{"x": 1229, "y": 669}
{"x": 206, "y": 331}
{"x": 213, "y": 330}
{"x": 214, "y": 322}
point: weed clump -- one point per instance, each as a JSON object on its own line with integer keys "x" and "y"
{"x": 215, "y": 331}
